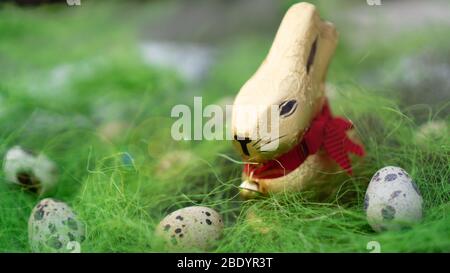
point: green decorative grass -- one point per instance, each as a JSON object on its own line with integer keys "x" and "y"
{"x": 121, "y": 204}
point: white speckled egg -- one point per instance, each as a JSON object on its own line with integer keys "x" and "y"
{"x": 34, "y": 172}
{"x": 54, "y": 227}
{"x": 191, "y": 228}
{"x": 392, "y": 200}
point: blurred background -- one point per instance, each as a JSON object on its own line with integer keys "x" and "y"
{"x": 50, "y": 49}
{"x": 93, "y": 82}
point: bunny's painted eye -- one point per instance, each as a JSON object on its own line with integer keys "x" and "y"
{"x": 287, "y": 108}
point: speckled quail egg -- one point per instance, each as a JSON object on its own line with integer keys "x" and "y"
{"x": 392, "y": 200}
{"x": 36, "y": 173}
{"x": 191, "y": 228}
{"x": 54, "y": 227}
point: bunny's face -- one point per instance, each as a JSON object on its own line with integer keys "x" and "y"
{"x": 275, "y": 107}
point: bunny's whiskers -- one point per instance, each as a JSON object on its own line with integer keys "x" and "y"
{"x": 268, "y": 142}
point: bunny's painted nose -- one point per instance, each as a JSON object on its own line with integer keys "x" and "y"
{"x": 243, "y": 141}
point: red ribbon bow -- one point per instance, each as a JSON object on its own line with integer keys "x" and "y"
{"x": 325, "y": 132}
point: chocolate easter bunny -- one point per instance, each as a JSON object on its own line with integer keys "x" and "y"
{"x": 312, "y": 144}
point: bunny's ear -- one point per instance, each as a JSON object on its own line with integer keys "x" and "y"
{"x": 294, "y": 37}
{"x": 327, "y": 42}
{"x": 303, "y": 42}
{"x": 311, "y": 56}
